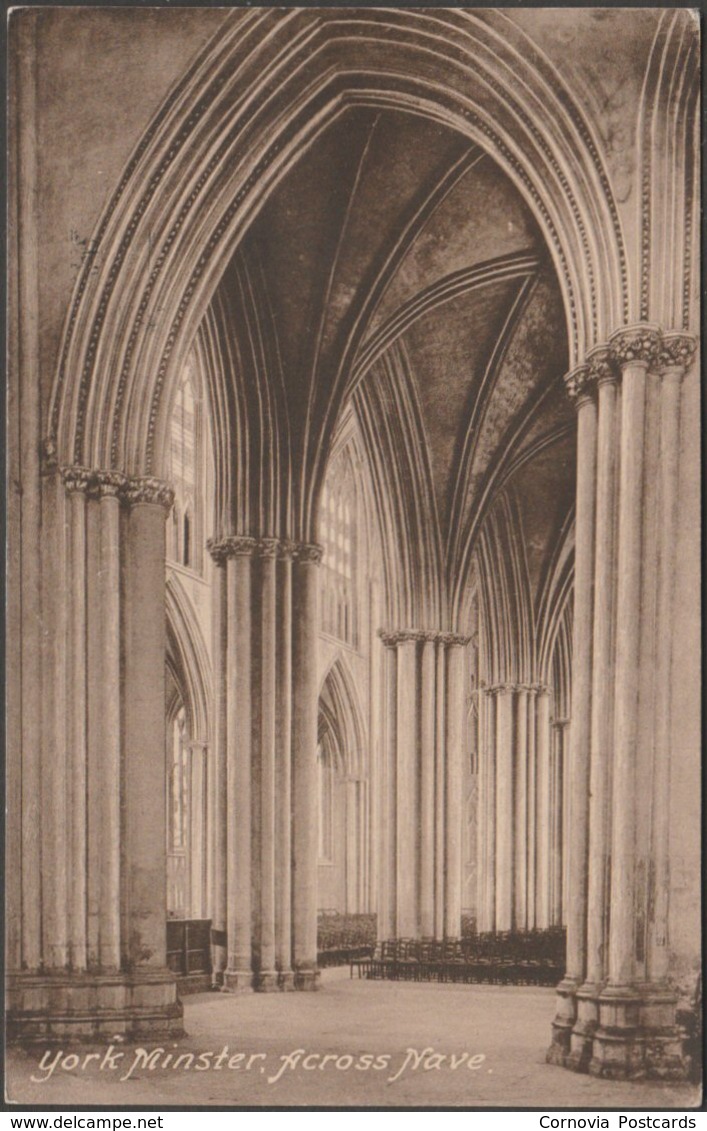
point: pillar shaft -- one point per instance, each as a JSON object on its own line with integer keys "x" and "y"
{"x": 623, "y": 889}
{"x": 602, "y": 679}
{"x": 532, "y": 808}
{"x": 77, "y": 727}
{"x": 407, "y": 748}
{"x": 440, "y": 778}
{"x": 489, "y": 915}
{"x": 103, "y": 670}
{"x": 504, "y": 809}
{"x": 265, "y": 756}
{"x": 426, "y": 718}
{"x": 283, "y": 772}
{"x": 581, "y": 688}
{"x": 454, "y": 734}
{"x": 428, "y": 690}
{"x": 520, "y": 773}
{"x": 145, "y": 781}
{"x": 238, "y": 772}
{"x": 659, "y": 955}
{"x": 219, "y": 788}
{"x": 305, "y": 628}
{"x": 386, "y": 877}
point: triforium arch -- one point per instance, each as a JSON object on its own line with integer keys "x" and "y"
{"x": 173, "y": 267}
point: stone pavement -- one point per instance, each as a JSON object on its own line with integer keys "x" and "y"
{"x": 354, "y": 1044}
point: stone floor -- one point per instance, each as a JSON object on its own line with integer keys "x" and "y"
{"x": 439, "y": 1046}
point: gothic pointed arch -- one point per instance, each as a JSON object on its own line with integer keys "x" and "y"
{"x": 188, "y": 660}
{"x": 341, "y": 710}
{"x": 253, "y": 100}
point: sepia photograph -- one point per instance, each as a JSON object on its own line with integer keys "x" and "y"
{"x": 353, "y": 558}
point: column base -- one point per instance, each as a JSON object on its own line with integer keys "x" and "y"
{"x": 90, "y": 1007}
{"x": 585, "y": 1026}
{"x": 266, "y": 982}
{"x": 563, "y": 1023}
{"x": 307, "y": 981}
{"x": 286, "y": 981}
{"x": 237, "y": 981}
{"x": 637, "y": 1037}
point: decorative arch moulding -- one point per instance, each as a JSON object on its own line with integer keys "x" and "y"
{"x": 643, "y": 344}
{"x": 574, "y": 204}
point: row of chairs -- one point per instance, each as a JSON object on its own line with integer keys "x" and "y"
{"x": 530, "y": 958}
{"x": 344, "y": 938}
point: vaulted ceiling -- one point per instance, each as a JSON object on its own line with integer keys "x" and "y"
{"x": 397, "y": 265}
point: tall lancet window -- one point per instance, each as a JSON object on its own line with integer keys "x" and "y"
{"x": 186, "y": 473}
{"x": 337, "y": 533}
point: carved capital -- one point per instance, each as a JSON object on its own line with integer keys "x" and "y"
{"x": 268, "y": 547}
{"x": 635, "y": 344}
{"x": 602, "y": 366}
{"x": 286, "y": 549}
{"x": 580, "y": 385}
{"x": 113, "y": 485}
{"x": 676, "y": 351}
{"x": 238, "y": 546}
{"x": 77, "y": 478}
{"x": 216, "y": 548}
{"x": 308, "y": 552}
{"x": 94, "y": 483}
{"x": 392, "y": 639}
{"x": 453, "y": 639}
{"x": 146, "y": 489}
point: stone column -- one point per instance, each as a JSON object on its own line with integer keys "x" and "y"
{"x": 219, "y": 784}
{"x": 520, "y": 886}
{"x": 487, "y": 804}
{"x": 305, "y": 628}
{"x": 351, "y": 857}
{"x": 581, "y": 388}
{"x": 637, "y": 1033}
{"x": 407, "y": 746}
{"x": 386, "y": 873}
{"x": 77, "y": 486}
{"x": 427, "y": 727}
{"x": 634, "y": 350}
{"x": 440, "y": 777}
{"x": 674, "y": 359}
{"x": 625, "y": 1025}
{"x": 144, "y": 729}
{"x": 532, "y": 808}
{"x": 503, "y": 918}
{"x": 264, "y": 761}
{"x": 543, "y": 786}
{"x": 604, "y": 374}
{"x": 557, "y": 846}
{"x": 238, "y": 552}
{"x": 454, "y": 807}
{"x": 428, "y": 690}
{"x": 105, "y": 615}
{"x": 283, "y": 770}
{"x": 104, "y": 722}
